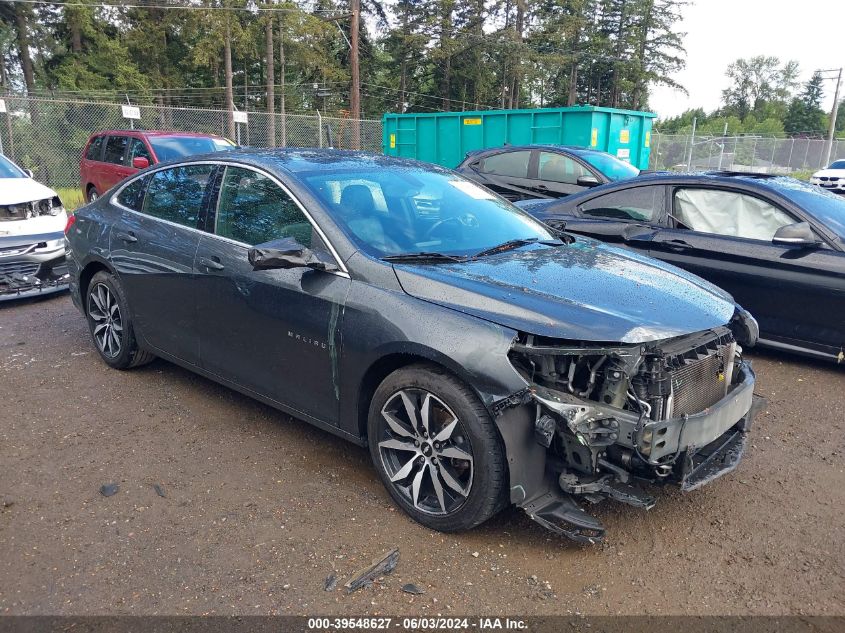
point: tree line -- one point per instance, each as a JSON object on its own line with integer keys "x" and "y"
{"x": 764, "y": 97}
{"x": 296, "y": 56}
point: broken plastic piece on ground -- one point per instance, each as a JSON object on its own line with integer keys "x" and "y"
{"x": 159, "y": 490}
{"x": 107, "y": 490}
{"x": 412, "y": 588}
{"x": 379, "y": 567}
{"x": 330, "y": 582}
{"x": 558, "y": 512}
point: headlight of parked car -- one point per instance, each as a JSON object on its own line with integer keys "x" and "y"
{"x": 26, "y": 210}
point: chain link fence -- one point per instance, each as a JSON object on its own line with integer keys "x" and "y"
{"x": 741, "y": 153}
{"x": 48, "y": 135}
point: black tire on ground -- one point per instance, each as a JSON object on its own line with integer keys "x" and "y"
{"x": 484, "y": 479}
{"x": 121, "y": 351}
{"x": 91, "y": 194}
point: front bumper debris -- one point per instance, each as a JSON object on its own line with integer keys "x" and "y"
{"x": 688, "y": 451}
{"x": 32, "y": 266}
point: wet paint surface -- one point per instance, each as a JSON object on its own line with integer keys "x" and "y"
{"x": 584, "y": 291}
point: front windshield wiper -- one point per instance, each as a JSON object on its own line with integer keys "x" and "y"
{"x": 423, "y": 257}
{"x": 507, "y": 246}
{"x": 558, "y": 228}
{"x": 512, "y": 244}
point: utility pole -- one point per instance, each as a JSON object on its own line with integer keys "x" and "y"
{"x": 692, "y": 144}
{"x": 832, "y": 131}
{"x": 355, "y": 97}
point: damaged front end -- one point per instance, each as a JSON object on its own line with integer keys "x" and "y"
{"x": 32, "y": 265}
{"x": 602, "y": 418}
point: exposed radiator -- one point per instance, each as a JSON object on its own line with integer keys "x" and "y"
{"x": 701, "y": 382}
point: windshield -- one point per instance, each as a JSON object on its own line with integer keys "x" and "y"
{"x": 839, "y": 164}
{"x": 610, "y": 166}
{"x": 169, "y": 147}
{"x": 9, "y": 170}
{"x": 827, "y": 207}
{"x": 394, "y": 211}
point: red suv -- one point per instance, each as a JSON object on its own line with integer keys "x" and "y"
{"x": 112, "y": 155}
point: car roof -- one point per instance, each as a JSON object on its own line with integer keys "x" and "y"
{"x": 305, "y": 159}
{"x": 154, "y": 133}
{"x": 771, "y": 182}
{"x": 572, "y": 149}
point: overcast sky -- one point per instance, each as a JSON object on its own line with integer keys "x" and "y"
{"x": 720, "y": 31}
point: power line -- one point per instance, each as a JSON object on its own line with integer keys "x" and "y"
{"x": 125, "y": 5}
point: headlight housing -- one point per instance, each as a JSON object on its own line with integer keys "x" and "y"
{"x": 27, "y": 210}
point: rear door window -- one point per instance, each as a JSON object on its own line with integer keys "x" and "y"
{"x": 253, "y": 209}
{"x": 639, "y": 204}
{"x": 177, "y": 194}
{"x": 729, "y": 213}
{"x": 132, "y": 196}
{"x": 95, "y": 149}
{"x": 115, "y": 149}
{"x": 559, "y": 168}
{"x": 512, "y": 164}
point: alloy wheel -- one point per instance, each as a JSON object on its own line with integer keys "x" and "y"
{"x": 108, "y": 325}
{"x": 425, "y": 451}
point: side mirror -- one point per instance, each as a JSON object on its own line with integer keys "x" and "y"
{"x": 140, "y": 162}
{"x": 29, "y": 173}
{"x": 798, "y": 234}
{"x": 587, "y": 181}
{"x": 286, "y": 253}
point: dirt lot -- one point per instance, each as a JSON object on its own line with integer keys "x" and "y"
{"x": 259, "y": 508}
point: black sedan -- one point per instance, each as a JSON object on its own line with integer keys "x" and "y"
{"x": 482, "y": 357}
{"x": 543, "y": 171}
{"x": 776, "y": 244}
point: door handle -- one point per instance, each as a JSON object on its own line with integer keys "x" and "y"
{"x": 129, "y": 237}
{"x": 542, "y": 187}
{"x": 211, "y": 264}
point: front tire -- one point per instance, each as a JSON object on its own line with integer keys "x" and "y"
{"x": 92, "y": 194}
{"x": 436, "y": 449}
{"x": 110, "y": 323}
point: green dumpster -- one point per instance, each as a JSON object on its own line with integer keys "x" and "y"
{"x": 445, "y": 138}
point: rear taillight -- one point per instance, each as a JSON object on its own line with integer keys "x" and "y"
{"x": 70, "y": 220}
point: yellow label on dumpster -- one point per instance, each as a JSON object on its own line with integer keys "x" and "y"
{"x": 625, "y": 136}
{"x": 594, "y": 137}
{"x": 648, "y": 139}
{"x": 392, "y": 141}
{"x": 472, "y": 121}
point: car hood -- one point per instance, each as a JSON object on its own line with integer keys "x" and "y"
{"x": 828, "y": 173}
{"x": 17, "y": 190}
{"x": 585, "y": 291}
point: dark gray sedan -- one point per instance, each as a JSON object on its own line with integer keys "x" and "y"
{"x": 482, "y": 357}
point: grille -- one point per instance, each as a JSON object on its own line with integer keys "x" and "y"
{"x": 702, "y": 382}
{"x": 18, "y": 268}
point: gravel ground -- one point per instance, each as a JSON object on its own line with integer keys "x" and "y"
{"x": 259, "y": 508}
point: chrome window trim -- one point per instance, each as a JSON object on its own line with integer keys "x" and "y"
{"x": 113, "y": 199}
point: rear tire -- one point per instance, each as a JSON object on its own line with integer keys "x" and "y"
{"x": 110, "y": 323}
{"x": 91, "y": 194}
{"x": 436, "y": 449}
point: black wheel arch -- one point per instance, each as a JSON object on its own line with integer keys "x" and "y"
{"x": 392, "y": 360}
{"x": 91, "y": 268}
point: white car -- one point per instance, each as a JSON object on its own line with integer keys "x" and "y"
{"x": 32, "y": 245}
{"x": 832, "y": 178}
